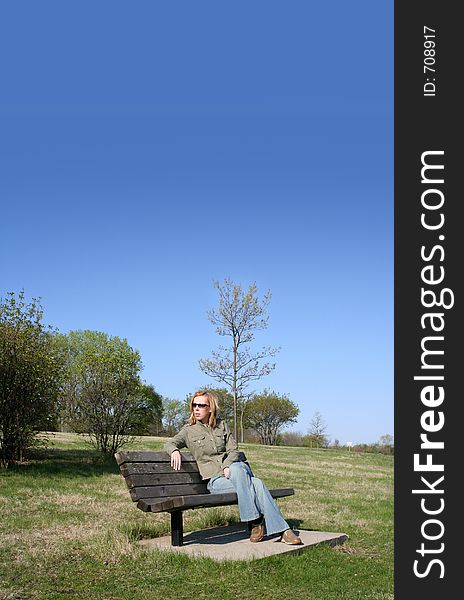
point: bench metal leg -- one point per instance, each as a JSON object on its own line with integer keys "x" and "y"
{"x": 177, "y": 528}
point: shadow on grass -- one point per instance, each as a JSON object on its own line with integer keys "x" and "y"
{"x": 65, "y": 463}
{"x": 138, "y": 532}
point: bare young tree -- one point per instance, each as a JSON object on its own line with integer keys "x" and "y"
{"x": 317, "y": 432}
{"x": 386, "y": 440}
{"x": 239, "y": 315}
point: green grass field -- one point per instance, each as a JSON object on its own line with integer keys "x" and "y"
{"x": 69, "y": 530}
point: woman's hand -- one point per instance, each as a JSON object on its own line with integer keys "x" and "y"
{"x": 176, "y": 460}
{"x": 226, "y": 472}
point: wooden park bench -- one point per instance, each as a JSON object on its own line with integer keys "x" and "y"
{"x": 156, "y": 487}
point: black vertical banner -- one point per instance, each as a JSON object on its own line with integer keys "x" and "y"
{"x": 429, "y": 258}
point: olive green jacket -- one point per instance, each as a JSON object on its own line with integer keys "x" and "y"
{"x": 213, "y": 449}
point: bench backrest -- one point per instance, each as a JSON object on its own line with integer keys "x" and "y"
{"x": 150, "y": 475}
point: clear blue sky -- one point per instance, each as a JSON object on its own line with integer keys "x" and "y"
{"x": 148, "y": 148}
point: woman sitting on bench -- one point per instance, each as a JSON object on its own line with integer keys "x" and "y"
{"x": 211, "y": 443}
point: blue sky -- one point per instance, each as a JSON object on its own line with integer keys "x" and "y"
{"x": 147, "y": 149}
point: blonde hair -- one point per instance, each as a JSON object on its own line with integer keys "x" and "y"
{"x": 213, "y": 404}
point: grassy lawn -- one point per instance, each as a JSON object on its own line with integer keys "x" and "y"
{"x": 69, "y": 530}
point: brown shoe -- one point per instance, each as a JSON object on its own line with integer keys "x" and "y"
{"x": 290, "y": 537}
{"x": 257, "y": 532}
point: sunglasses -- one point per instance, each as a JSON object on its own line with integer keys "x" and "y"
{"x": 195, "y": 404}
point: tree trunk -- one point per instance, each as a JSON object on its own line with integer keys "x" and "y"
{"x": 241, "y": 426}
{"x": 235, "y": 391}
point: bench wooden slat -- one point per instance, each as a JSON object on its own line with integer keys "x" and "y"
{"x": 151, "y": 479}
{"x": 156, "y": 504}
{"x": 186, "y": 502}
{"x": 200, "y": 500}
{"x": 227, "y": 498}
{"x": 162, "y": 467}
{"x": 167, "y": 490}
{"x": 163, "y": 457}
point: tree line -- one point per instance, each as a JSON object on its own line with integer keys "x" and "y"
{"x": 90, "y": 382}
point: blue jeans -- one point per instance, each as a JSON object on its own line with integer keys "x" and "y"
{"x": 254, "y": 499}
